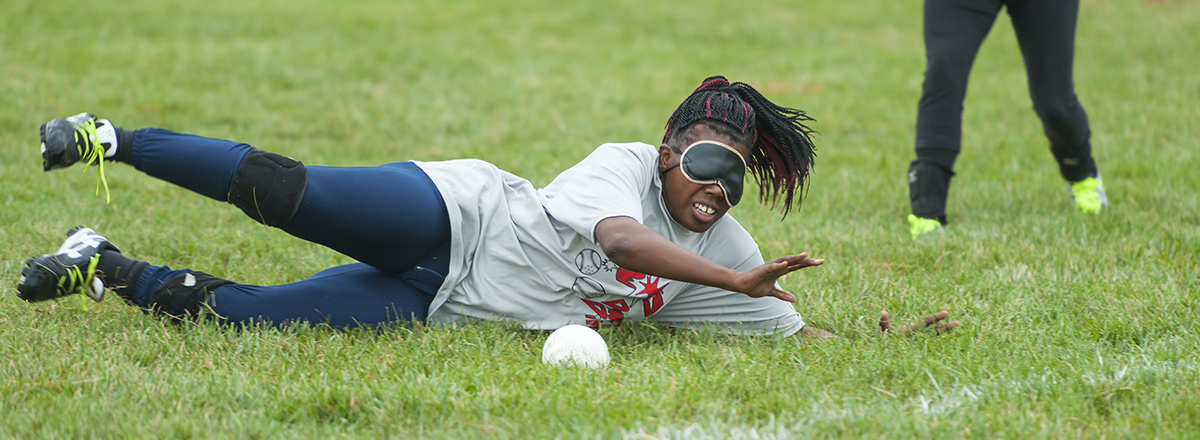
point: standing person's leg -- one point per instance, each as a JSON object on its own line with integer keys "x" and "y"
{"x": 1046, "y": 32}
{"x": 954, "y": 30}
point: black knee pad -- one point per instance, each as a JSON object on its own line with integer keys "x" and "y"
{"x": 268, "y": 187}
{"x": 183, "y": 297}
{"x": 928, "y": 188}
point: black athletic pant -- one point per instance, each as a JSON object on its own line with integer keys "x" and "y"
{"x": 954, "y": 30}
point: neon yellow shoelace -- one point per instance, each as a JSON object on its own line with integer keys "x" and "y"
{"x": 77, "y": 281}
{"x": 85, "y": 139}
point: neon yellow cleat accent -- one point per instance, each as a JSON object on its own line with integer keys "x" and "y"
{"x": 89, "y": 154}
{"x": 1088, "y": 195}
{"x": 923, "y": 226}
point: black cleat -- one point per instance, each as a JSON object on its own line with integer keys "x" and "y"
{"x": 82, "y": 137}
{"x": 69, "y": 271}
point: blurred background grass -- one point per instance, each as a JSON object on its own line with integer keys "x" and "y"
{"x": 1074, "y": 325}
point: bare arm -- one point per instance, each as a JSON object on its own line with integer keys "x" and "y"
{"x": 636, "y": 247}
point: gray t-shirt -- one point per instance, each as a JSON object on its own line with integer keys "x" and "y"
{"x": 530, "y": 255}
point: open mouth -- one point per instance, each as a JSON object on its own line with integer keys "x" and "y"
{"x": 704, "y": 213}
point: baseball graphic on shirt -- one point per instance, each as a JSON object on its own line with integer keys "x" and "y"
{"x": 588, "y": 287}
{"x": 590, "y": 262}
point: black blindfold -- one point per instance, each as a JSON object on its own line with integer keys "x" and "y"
{"x": 709, "y": 162}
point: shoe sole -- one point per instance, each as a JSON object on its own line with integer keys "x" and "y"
{"x": 37, "y": 283}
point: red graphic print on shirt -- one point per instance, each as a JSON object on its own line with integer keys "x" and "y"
{"x": 610, "y": 311}
{"x": 648, "y": 287}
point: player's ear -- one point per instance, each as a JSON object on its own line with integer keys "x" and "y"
{"x": 664, "y": 157}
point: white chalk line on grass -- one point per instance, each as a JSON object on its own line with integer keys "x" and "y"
{"x": 1137, "y": 367}
{"x": 718, "y": 429}
{"x": 934, "y": 403}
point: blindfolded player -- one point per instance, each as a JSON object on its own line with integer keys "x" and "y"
{"x": 631, "y": 232}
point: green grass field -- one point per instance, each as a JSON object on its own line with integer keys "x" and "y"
{"x": 1074, "y": 326}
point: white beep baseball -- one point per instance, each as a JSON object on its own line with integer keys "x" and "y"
{"x": 575, "y": 345}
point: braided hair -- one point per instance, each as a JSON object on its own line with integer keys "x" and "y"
{"x": 781, "y": 150}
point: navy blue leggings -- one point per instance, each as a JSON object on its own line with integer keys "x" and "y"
{"x": 390, "y": 218}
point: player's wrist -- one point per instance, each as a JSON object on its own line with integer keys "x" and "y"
{"x": 733, "y": 281}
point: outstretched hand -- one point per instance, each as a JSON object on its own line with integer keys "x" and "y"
{"x": 760, "y": 281}
{"x": 886, "y": 329}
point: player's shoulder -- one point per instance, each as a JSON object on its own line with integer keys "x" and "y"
{"x": 729, "y": 229}
{"x": 636, "y": 157}
{"x": 638, "y": 149}
{"x": 729, "y": 244}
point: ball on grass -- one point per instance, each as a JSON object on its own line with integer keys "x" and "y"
{"x": 575, "y": 345}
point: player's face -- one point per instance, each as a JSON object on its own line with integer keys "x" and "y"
{"x": 694, "y": 206}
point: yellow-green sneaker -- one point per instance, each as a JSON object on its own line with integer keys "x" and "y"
{"x": 923, "y": 226}
{"x": 1088, "y": 194}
